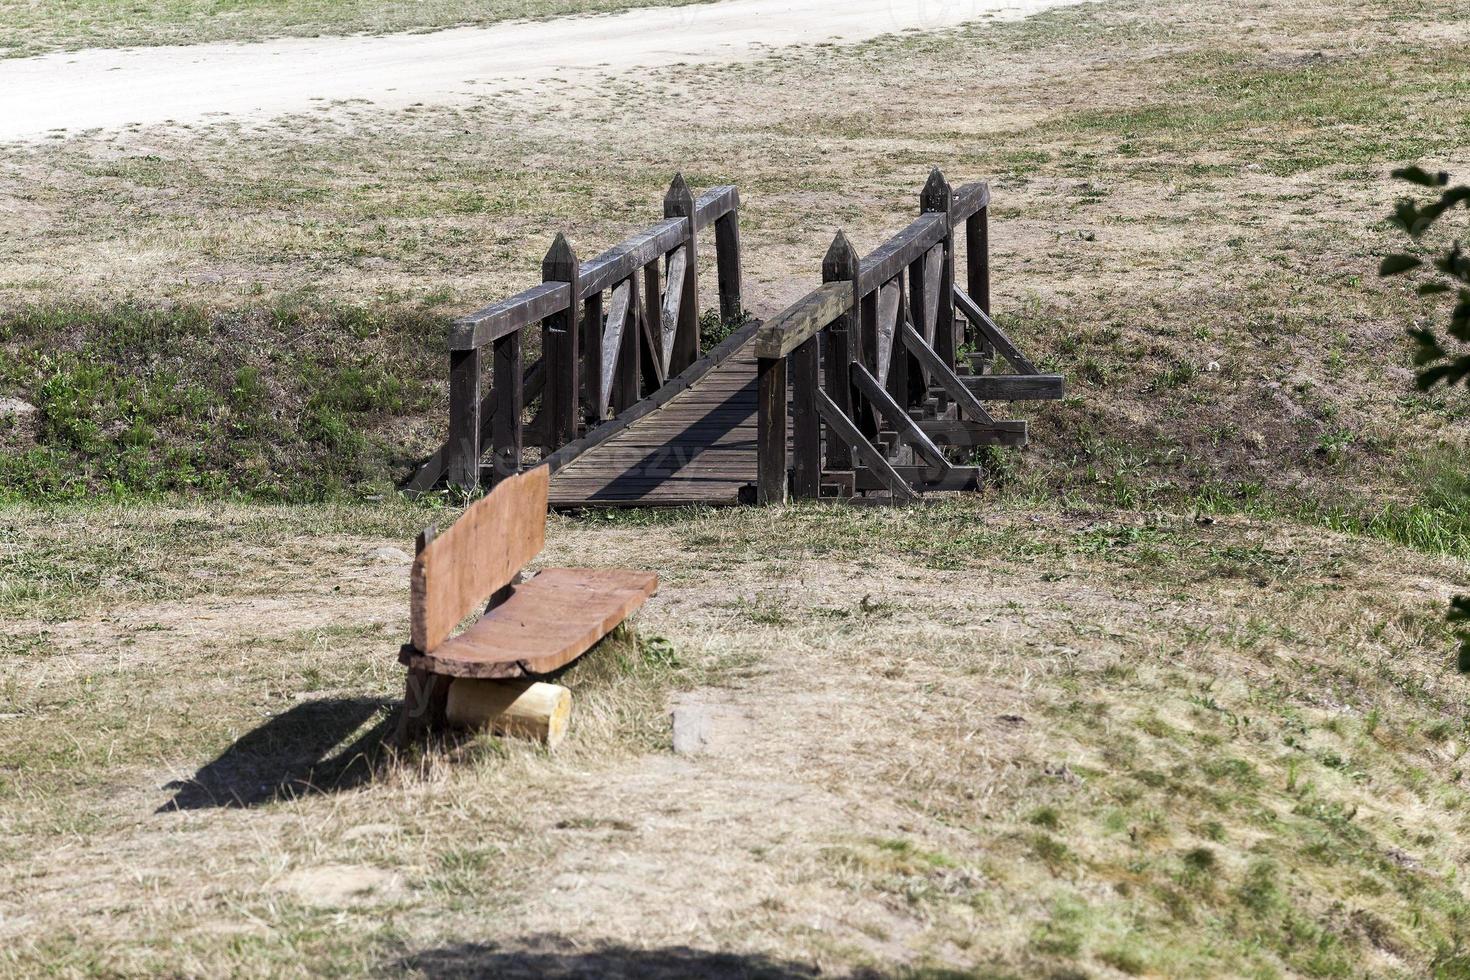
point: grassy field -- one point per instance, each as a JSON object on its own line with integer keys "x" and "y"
{"x": 30, "y": 28}
{"x": 1174, "y": 697}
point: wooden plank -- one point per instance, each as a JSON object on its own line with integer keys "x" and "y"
{"x": 433, "y": 468}
{"x": 890, "y": 258}
{"x": 1017, "y": 387}
{"x": 939, "y": 322}
{"x": 969, "y": 198}
{"x": 508, "y": 382}
{"x": 727, "y": 265}
{"x": 771, "y": 429}
{"x": 464, "y": 419}
{"x": 612, "y": 344}
{"x": 714, "y": 204}
{"x": 669, "y": 314}
{"x": 961, "y": 432}
{"x": 993, "y": 333}
{"x": 888, "y": 297}
{"x": 509, "y": 315}
{"x": 479, "y": 553}
{"x": 675, "y": 386}
{"x": 843, "y": 428}
{"x": 941, "y": 373}
{"x": 955, "y": 479}
{"x": 790, "y": 328}
{"x": 627, "y": 370}
{"x": 546, "y": 623}
{"x": 806, "y": 481}
{"x": 592, "y": 355}
{"x": 926, "y": 298}
{"x": 655, "y": 362}
{"x": 679, "y": 202}
{"x": 626, "y": 258}
{"x": 908, "y": 431}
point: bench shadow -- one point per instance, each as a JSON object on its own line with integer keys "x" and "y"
{"x": 290, "y": 756}
{"x": 558, "y": 958}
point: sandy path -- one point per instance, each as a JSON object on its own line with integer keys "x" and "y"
{"x": 107, "y": 88}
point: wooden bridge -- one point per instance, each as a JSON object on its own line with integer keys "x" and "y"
{"x": 867, "y": 387}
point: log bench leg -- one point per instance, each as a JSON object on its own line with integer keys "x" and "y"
{"x": 425, "y": 698}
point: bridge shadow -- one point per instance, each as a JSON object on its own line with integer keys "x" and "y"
{"x": 558, "y": 958}
{"x": 290, "y": 756}
{"x": 669, "y": 462}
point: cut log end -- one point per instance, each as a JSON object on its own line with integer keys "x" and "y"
{"x": 526, "y": 709}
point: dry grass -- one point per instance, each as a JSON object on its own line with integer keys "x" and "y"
{"x": 953, "y": 737}
{"x": 1187, "y": 228}
{"x": 1079, "y": 729}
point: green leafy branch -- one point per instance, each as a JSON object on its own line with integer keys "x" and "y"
{"x": 1440, "y": 358}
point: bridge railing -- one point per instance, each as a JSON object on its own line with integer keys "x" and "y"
{"x": 611, "y": 330}
{"x": 871, "y": 358}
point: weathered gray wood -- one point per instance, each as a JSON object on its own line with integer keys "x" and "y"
{"x": 770, "y": 486}
{"x": 890, "y": 258}
{"x": 898, "y": 382}
{"x": 561, "y": 352}
{"x": 464, "y": 418}
{"x": 626, "y": 258}
{"x": 887, "y": 323}
{"x": 651, "y": 368}
{"x": 806, "y": 430}
{"x": 612, "y": 344}
{"x": 844, "y": 341}
{"x": 993, "y": 333}
{"x": 961, "y": 432}
{"x": 955, "y": 478}
{"x": 926, "y": 292}
{"x": 669, "y": 315}
{"x": 907, "y": 429}
{"x": 808, "y": 316}
{"x": 946, "y": 378}
{"x": 977, "y": 255}
{"x": 516, "y": 313}
{"x": 506, "y": 438}
{"x": 727, "y": 265}
{"x": 627, "y": 385}
{"x": 969, "y": 198}
{"x": 714, "y": 204}
{"x": 937, "y": 197}
{"x": 679, "y": 202}
{"x": 1017, "y": 387}
{"x": 843, "y": 429}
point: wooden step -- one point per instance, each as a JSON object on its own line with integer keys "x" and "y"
{"x": 1016, "y": 387}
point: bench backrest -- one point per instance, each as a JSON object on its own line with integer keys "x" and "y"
{"x": 479, "y": 554}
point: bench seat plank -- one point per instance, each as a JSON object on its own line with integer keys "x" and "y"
{"x": 546, "y": 623}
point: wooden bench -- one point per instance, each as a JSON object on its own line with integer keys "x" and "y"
{"x": 530, "y": 627}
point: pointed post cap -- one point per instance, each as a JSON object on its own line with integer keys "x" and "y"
{"x": 560, "y": 264}
{"x": 936, "y": 194}
{"x": 841, "y": 260}
{"x": 679, "y": 200}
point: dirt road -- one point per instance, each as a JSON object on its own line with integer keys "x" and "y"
{"x": 106, "y": 89}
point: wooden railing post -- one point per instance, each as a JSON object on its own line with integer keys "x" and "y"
{"x": 679, "y": 203}
{"x": 977, "y": 261}
{"x": 592, "y": 357}
{"x": 505, "y": 432}
{"x": 561, "y": 350}
{"x": 938, "y": 196}
{"x": 464, "y": 419}
{"x": 770, "y": 484}
{"x": 806, "y": 426}
{"x": 727, "y": 261}
{"x": 841, "y": 265}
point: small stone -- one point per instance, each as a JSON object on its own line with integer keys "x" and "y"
{"x": 16, "y": 408}
{"x": 391, "y": 555}
{"x": 1213, "y": 367}
{"x": 691, "y": 730}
